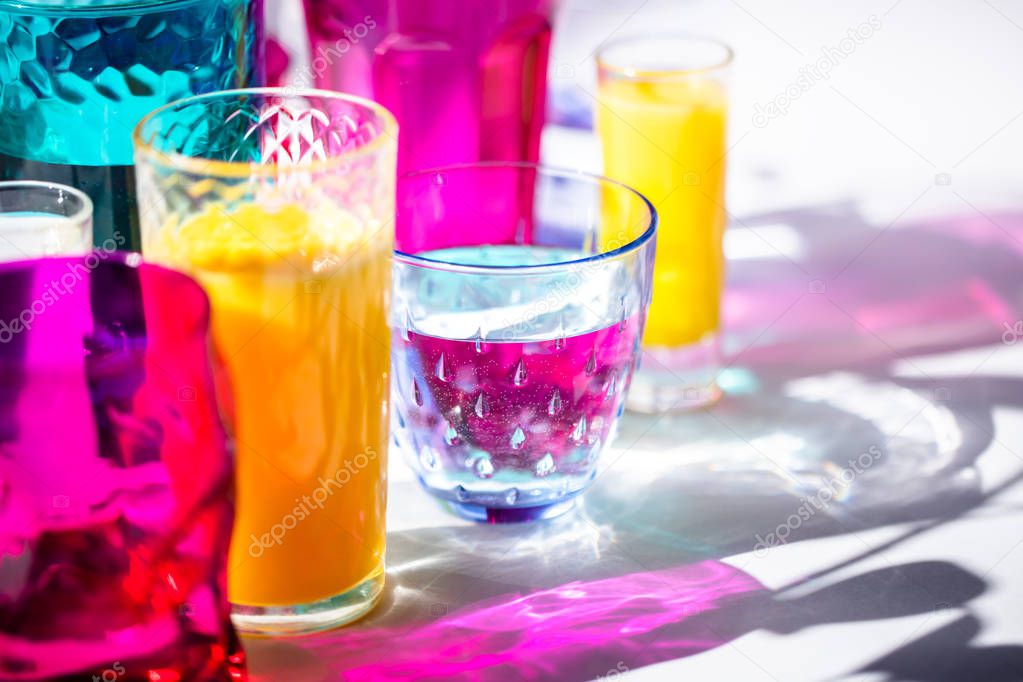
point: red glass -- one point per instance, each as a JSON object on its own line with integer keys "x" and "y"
{"x": 116, "y": 478}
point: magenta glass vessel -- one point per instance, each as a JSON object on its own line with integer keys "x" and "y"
{"x": 116, "y": 479}
{"x": 465, "y": 78}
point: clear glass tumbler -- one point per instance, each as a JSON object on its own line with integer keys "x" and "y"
{"x": 281, "y": 203}
{"x": 77, "y": 75}
{"x": 512, "y": 358}
{"x": 117, "y": 478}
{"x": 466, "y": 79}
{"x": 663, "y": 103}
{"x": 43, "y": 219}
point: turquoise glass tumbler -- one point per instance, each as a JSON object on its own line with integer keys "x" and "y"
{"x": 75, "y": 78}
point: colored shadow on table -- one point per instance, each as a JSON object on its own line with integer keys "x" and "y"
{"x": 819, "y": 342}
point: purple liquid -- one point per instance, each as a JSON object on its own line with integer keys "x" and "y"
{"x": 466, "y": 79}
{"x": 502, "y": 426}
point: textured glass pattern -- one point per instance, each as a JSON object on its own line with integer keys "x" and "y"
{"x": 75, "y": 80}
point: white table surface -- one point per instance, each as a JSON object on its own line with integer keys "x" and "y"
{"x": 875, "y": 291}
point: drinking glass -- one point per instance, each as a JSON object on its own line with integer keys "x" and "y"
{"x": 661, "y": 119}
{"x": 466, "y": 79}
{"x": 512, "y": 357}
{"x": 117, "y": 494}
{"x": 43, "y": 219}
{"x": 77, "y": 75}
{"x": 281, "y": 203}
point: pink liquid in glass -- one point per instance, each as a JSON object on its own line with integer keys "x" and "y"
{"x": 465, "y": 78}
{"x": 510, "y": 426}
{"x": 116, "y": 479}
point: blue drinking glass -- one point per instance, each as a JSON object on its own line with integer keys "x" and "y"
{"x": 520, "y": 295}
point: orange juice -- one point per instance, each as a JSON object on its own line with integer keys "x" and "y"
{"x": 299, "y": 301}
{"x": 665, "y": 137}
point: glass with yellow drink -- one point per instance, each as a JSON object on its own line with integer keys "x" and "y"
{"x": 281, "y": 204}
{"x": 661, "y": 117}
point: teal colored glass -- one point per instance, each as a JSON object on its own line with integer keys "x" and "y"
{"x": 75, "y": 78}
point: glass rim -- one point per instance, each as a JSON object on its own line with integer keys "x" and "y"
{"x": 244, "y": 169}
{"x": 82, "y": 215}
{"x": 592, "y": 178}
{"x": 633, "y": 73}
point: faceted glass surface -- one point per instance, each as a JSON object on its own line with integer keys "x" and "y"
{"x": 75, "y": 79}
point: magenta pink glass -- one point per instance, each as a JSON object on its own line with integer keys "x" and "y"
{"x": 116, "y": 480}
{"x": 465, "y": 78}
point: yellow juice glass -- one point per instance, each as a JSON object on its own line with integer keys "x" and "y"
{"x": 662, "y": 118}
{"x": 281, "y": 204}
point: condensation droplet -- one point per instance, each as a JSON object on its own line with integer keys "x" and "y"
{"x": 512, "y": 496}
{"x": 554, "y": 406}
{"x": 580, "y": 430}
{"x": 591, "y": 363}
{"x": 482, "y": 408}
{"x": 518, "y": 438}
{"x": 621, "y": 323}
{"x": 406, "y": 328}
{"x": 545, "y": 465}
{"x": 559, "y": 336}
{"x": 484, "y": 468}
{"x": 417, "y": 395}
{"x": 442, "y": 371}
{"x": 519, "y": 377}
{"x": 478, "y": 340}
{"x": 594, "y": 452}
{"x": 400, "y": 417}
{"x": 612, "y": 387}
{"x": 461, "y": 493}
{"x": 450, "y": 435}
{"x": 429, "y": 459}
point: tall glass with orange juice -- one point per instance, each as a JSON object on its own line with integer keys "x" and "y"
{"x": 661, "y": 118}
{"x": 281, "y": 204}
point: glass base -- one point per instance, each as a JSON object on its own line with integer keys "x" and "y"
{"x": 677, "y": 379}
{"x": 341, "y": 609}
{"x": 495, "y": 515}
